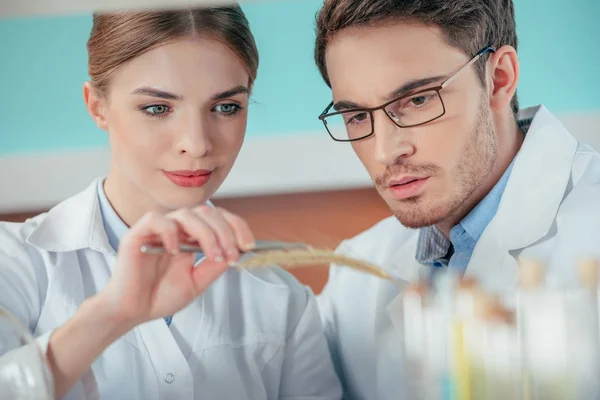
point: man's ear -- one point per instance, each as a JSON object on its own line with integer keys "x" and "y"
{"x": 503, "y": 68}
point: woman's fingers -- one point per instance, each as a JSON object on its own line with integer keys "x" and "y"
{"x": 243, "y": 234}
{"x": 218, "y": 232}
{"x": 224, "y": 232}
{"x": 154, "y": 225}
{"x": 206, "y": 273}
{"x": 197, "y": 228}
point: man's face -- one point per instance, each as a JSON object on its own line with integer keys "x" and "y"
{"x": 426, "y": 174}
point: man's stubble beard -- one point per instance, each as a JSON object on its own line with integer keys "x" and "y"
{"x": 478, "y": 157}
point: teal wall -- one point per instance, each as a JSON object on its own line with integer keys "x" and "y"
{"x": 43, "y": 67}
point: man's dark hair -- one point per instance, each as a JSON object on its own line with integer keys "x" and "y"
{"x": 469, "y": 25}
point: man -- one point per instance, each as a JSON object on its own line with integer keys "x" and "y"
{"x": 425, "y": 92}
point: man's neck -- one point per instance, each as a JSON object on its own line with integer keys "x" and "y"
{"x": 510, "y": 145}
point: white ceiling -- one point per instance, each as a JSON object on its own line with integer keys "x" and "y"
{"x": 21, "y": 8}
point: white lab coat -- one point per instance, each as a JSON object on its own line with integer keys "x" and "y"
{"x": 550, "y": 210}
{"x": 251, "y": 335}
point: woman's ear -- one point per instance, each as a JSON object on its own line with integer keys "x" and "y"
{"x": 504, "y": 76}
{"x": 95, "y": 104}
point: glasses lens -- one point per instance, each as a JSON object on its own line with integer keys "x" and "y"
{"x": 416, "y": 109}
{"x": 350, "y": 125}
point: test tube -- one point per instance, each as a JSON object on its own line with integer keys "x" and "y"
{"x": 530, "y": 278}
{"x": 585, "y": 331}
{"x": 558, "y": 353}
{"x": 414, "y": 336}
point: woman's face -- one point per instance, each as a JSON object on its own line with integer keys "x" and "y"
{"x": 176, "y": 117}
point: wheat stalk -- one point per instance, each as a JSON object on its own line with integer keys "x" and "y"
{"x": 288, "y": 259}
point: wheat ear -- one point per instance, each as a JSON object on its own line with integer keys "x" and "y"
{"x": 288, "y": 259}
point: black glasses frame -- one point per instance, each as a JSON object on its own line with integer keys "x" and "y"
{"x": 325, "y": 114}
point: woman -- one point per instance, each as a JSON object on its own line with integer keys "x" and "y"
{"x": 171, "y": 89}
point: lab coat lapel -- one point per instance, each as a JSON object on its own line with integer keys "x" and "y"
{"x": 72, "y": 225}
{"x": 531, "y": 200}
{"x": 402, "y": 264}
{"x": 389, "y": 349}
{"x": 526, "y": 212}
{"x": 405, "y": 269}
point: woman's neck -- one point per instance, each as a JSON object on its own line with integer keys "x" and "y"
{"x": 129, "y": 202}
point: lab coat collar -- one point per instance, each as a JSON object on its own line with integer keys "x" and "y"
{"x": 388, "y": 245}
{"x": 535, "y": 189}
{"x": 74, "y": 224}
{"x": 533, "y": 194}
{"x": 539, "y": 180}
{"x": 404, "y": 265}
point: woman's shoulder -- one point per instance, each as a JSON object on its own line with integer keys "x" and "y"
{"x": 56, "y": 217}
{"x": 21, "y": 263}
{"x": 13, "y": 235}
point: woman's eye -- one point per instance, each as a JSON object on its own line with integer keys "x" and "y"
{"x": 228, "y": 109}
{"x": 156, "y": 110}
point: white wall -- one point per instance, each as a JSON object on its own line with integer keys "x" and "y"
{"x": 278, "y": 164}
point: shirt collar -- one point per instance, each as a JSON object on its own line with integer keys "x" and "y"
{"x": 475, "y": 222}
{"x": 433, "y": 245}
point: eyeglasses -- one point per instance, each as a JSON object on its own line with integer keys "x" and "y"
{"x": 409, "y": 110}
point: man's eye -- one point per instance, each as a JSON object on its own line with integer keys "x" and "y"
{"x": 419, "y": 100}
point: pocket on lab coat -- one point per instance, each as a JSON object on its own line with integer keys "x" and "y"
{"x": 236, "y": 372}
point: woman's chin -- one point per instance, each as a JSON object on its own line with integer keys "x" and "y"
{"x": 188, "y": 198}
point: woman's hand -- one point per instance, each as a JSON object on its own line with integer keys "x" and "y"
{"x": 149, "y": 286}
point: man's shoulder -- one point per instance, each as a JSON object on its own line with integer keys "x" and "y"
{"x": 576, "y": 224}
{"x": 587, "y": 152}
{"x": 585, "y": 178}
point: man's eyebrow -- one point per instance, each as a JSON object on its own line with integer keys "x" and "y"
{"x": 402, "y": 90}
{"x": 414, "y": 84}
{"x": 345, "y": 105}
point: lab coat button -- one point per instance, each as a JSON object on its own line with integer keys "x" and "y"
{"x": 169, "y": 378}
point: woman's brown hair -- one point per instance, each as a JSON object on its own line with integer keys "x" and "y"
{"x": 121, "y": 36}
